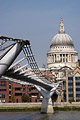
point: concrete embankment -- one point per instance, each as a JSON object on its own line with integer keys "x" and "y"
{"x": 24, "y": 107}
{"x": 56, "y": 104}
{"x": 66, "y": 104}
{"x": 20, "y": 105}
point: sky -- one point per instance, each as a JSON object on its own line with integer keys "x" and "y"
{"x": 38, "y": 21}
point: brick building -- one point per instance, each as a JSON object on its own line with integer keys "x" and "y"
{"x": 9, "y": 89}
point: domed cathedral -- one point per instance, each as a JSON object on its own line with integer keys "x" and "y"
{"x": 62, "y": 54}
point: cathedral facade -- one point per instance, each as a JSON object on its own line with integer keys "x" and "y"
{"x": 61, "y": 57}
{"x": 62, "y": 54}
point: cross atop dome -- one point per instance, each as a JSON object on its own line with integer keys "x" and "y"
{"x": 61, "y": 26}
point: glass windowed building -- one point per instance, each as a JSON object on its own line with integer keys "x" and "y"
{"x": 73, "y": 84}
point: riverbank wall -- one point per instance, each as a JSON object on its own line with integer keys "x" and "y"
{"x": 56, "y": 104}
{"x": 66, "y": 104}
{"x": 33, "y": 107}
{"x": 13, "y": 105}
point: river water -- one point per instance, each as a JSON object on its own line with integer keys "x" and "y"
{"x": 60, "y": 115}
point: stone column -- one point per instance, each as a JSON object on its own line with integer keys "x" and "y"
{"x": 67, "y": 87}
{"x": 54, "y": 58}
{"x": 74, "y": 89}
{"x": 62, "y": 57}
{"x": 65, "y": 57}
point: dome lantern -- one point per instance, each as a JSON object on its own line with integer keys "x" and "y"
{"x": 61, "y": 26}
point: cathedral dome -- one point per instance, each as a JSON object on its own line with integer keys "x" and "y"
{"x": 62, "y": 38}
{"x": 62, "y": 55}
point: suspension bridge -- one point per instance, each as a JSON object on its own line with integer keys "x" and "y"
{"x": 29, "y": 72}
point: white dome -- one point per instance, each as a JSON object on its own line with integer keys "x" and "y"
{"x": 62, "y": 53}
{"x": 62, "y": 39}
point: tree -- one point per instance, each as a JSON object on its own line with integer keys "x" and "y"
{"x": 25, "y": 98}
{"x": 55, "y": 80}
{"x": 72, "y": 100}
{"x": 38, "y": 96}
{"x": 79, "y": 98}
{"x": 13, "y": 98}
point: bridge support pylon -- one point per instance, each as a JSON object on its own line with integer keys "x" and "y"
{"x": 47, "y": 106}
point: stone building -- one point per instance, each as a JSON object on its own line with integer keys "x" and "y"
{"x": 62, "y": 55}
